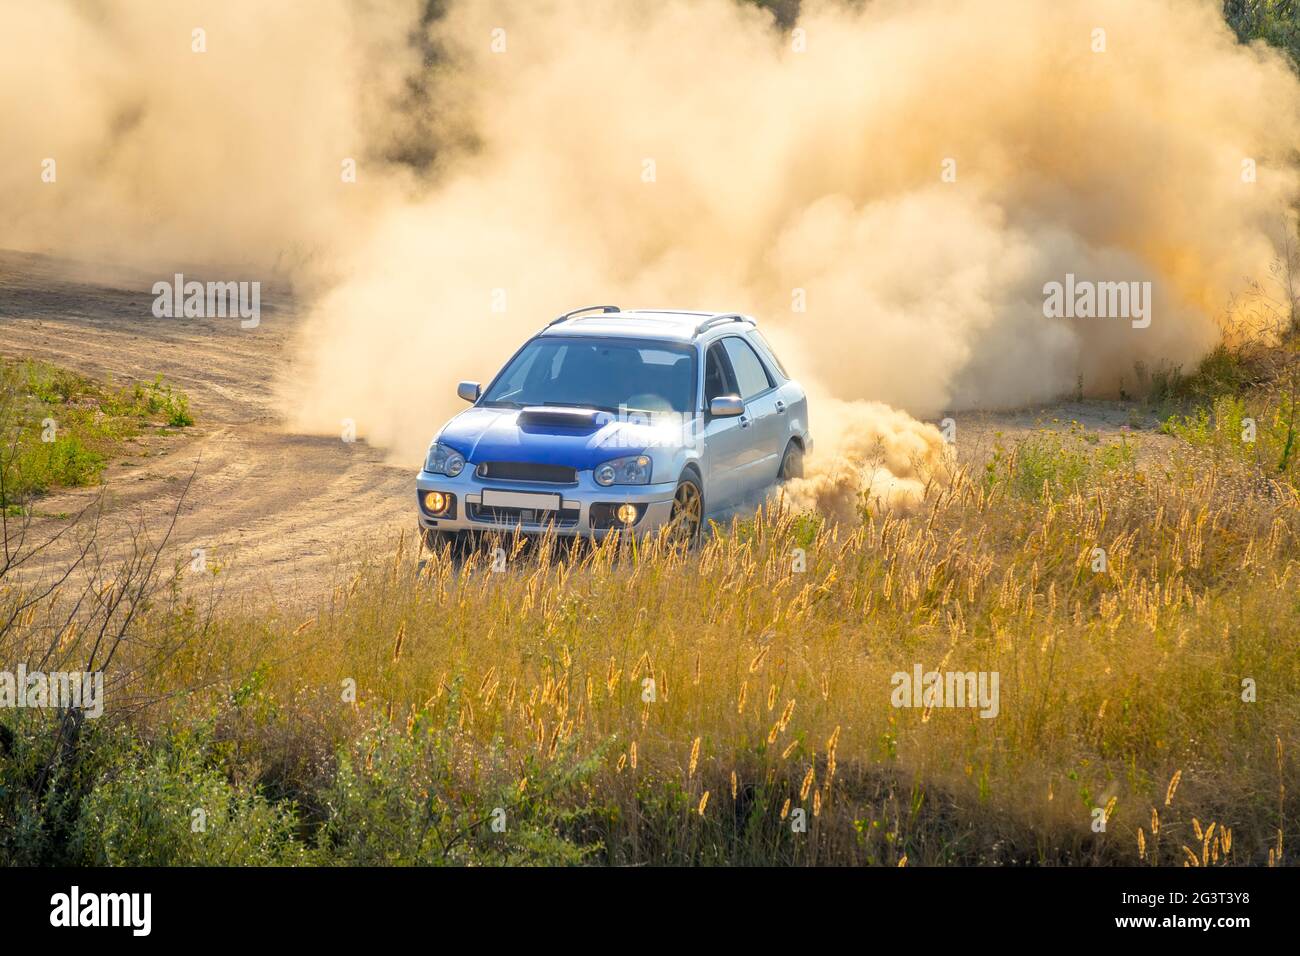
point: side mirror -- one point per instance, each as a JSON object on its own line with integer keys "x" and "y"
{"x": 468, "y": 391}
{"x": 726, "y": 406}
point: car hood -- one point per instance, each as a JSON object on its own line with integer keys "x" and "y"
{"x": 496, "y": 434}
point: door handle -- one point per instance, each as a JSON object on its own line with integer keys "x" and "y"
{"x": 780, "y": 407}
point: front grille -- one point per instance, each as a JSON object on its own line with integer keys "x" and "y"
{"x": 527, "y": 471}
{"x": 525, "y": 517}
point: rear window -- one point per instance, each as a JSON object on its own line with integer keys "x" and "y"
{"x": 771, "y": 353}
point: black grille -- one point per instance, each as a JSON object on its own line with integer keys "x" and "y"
{"x": 512, "y": 517}
{"x": 568, "y": 417}
{"x": 528, "y": 471}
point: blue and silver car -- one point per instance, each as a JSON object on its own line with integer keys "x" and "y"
{"x": 618, "y": 420}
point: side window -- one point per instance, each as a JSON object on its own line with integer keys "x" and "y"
{"x": 717, "y": 377}
{"x": 751, "y": 376}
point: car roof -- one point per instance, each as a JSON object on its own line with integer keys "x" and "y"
{"x": 672, "y": 324}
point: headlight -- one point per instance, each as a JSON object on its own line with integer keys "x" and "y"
{"x": 633, "y": 470}
{"x": 444, "y": 461}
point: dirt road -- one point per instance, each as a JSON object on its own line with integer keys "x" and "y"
{"x": 276, "y": 511}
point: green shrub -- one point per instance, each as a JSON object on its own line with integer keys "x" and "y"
{"x": 413, "y": 798}
{"x": 1273, "y": 21}
{"x": 65, "y": 462}
{"x": 157, "y": 397}
{"x": 1224, "y": 371}
{"x": 41, "y": 786}
{"x": 1066, "y": 462}
{"x": 1259, "y": 432}
{"x": 59, "y": 429}
{"x": 168, "y": 807}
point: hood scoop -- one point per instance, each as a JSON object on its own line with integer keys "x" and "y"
{"x": 558, "y": 415}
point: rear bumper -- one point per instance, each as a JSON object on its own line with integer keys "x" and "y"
{"x": 469, "y": 512}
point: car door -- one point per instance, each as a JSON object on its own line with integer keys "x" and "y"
{"x": 761, "y": 457}
{"x": 725, "y": 439}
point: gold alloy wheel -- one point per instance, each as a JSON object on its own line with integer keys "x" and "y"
{"x": 688, "y": 511}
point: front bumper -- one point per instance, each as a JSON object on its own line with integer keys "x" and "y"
{"x": 575, "y": 518}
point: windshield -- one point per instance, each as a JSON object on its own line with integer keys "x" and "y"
{"x": 606, "y": 374}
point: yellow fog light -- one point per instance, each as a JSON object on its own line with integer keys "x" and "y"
{"x": 626, "y": 514}
{"x": 435, "y": 502}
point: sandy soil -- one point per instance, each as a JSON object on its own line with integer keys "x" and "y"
{"x": 277, "y": 510}
{"x": 280, "y": 511}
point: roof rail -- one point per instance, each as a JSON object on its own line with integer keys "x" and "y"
{"x": 719, "y": 319}
{"x": 585, "y": 308}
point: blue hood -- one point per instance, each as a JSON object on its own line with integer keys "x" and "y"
{"x": 494, "y": 434}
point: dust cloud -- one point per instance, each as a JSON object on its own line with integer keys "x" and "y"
{"x": 158, "y": 135}
{"x": 875, "y": 456}
{"x": 887, "y": 185}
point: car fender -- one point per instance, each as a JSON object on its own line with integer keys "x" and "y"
{"x": 670, "y": 462}
{"x": 797, "y": 414}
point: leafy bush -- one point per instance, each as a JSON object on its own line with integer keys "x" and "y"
{"x": 1058, "y": 462}
{"x": 1225, "y": 371}
{"x": 1230, "y": 429}
{"x": 42, "y": 786}
{"x": 166, "y": 806}
{"x": 160, "y": 398}
{"x": 63, "y": 462}
{"x": 1276, "y": 22}
{"x": 413, "y": 797}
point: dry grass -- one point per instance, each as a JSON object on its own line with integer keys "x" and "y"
{"x": 685, "y": 707}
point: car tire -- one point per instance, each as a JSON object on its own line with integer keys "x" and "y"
{"x": 687, "y": 517}
{"x": 791, "y": 463}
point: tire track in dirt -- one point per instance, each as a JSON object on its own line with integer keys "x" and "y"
{"x": 276, "y": 512}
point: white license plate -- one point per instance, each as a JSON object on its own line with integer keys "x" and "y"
{"x": 520, "y": 499}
